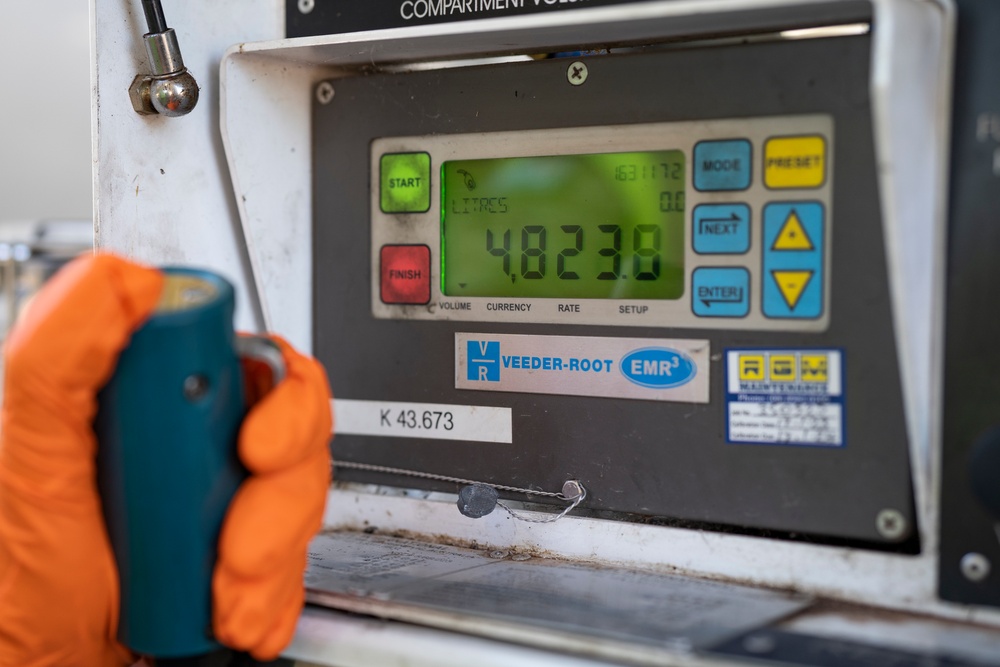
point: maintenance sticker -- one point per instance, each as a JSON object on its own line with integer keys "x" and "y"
{"x": 655, "y": 369}
{"x": 785, "y": 397}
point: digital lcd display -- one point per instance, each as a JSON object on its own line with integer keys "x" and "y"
{"x": 595, "y": 226}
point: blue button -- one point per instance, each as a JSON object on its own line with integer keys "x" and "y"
{"x": 793, "y": 260}
{"x": 722, "y": 165}
{"x": 721, "y": 228}
{"x": 720, "y": 292}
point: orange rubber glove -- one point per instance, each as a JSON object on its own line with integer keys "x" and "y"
{"x": 58, "y": 581}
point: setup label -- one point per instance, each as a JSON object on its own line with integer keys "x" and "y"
{"x": 639, "y": 368}
{"x": 785, "y": 397}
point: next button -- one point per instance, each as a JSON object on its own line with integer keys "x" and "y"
{"x": 722, "y": 165}
{"x": 721, "y": 228}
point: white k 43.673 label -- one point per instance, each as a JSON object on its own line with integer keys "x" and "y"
{"x": 656, "y": 369}
{"x": 432, "y": 421}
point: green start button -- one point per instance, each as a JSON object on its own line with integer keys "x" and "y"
{"x": 406, "y": 182}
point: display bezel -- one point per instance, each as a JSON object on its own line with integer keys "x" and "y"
{"x": 579, "y": 226}
{"x": 425, "y": 228}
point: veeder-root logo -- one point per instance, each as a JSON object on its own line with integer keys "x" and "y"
{"x": 484, "y": 360}
{"x": 658, "y": 367}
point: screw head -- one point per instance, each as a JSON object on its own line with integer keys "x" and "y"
{"x": 975, "y": 566}
{"x": 577, "y": 73}
{"x": 306, "y": 6}
{"x": 572, "y": 489}
{"x": 892, "y": 525}
{"x": 195, "y": 387}
{"x": 324, "y": 92}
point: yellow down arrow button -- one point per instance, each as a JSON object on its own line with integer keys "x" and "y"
{"x": 792, "y": 284}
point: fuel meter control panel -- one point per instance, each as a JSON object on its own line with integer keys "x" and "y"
{"x": 724, "y": 224}
{"x": 669, "y": 283}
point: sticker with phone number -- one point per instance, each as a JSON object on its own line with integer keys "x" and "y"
{"x": 785, "y": 397}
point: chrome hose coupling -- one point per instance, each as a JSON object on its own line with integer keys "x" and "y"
{"x": 170, "y": 90}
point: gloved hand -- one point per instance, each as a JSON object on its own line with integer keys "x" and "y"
{"x": 58, "y": 581}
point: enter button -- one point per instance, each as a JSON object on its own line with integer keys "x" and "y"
{"x": 720, "y": 292}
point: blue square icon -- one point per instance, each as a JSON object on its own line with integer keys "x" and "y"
{"x": 483, "y": 360}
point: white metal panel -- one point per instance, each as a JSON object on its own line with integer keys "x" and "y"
{"x": 342, "y": 640}
{"x": 266, "y": 130}
{"x": 911, "y": 99}
{"x": 162, "y": 191}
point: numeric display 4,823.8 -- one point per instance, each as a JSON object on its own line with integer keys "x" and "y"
{"x": 605, "y": 225}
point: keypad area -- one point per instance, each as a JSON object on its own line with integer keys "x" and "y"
{"x": 791, "y": 233}
{"x": 749, "y": 203}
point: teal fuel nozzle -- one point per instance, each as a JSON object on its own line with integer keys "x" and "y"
{"x": 167, "y": 427}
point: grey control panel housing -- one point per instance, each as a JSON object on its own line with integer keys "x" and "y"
{"x": 694, "y": 309}
{"x": 638, "y": 459}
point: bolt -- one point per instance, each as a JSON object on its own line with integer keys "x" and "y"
{"x": 195, "y": 387}
{"x": 577, "y": 73}
{"x": 975, "y": 567}
{"x": 892, "y": 525}
{"x": 572, "y": 490}
{"x": 306, "y": 6}
{"x": 324, "y": 92}
{"x": 138, "y": 92}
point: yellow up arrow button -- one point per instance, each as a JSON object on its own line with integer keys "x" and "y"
{"x": 792, "y": 235}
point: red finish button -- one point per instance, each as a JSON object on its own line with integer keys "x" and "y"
{"x": 406, "y": 274}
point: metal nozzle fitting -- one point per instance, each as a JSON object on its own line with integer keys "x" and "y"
{"x": 171, "y": 90}
{"x": 164, "y": 52}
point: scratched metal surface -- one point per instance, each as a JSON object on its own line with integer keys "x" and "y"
{"x": 393, "y": 577}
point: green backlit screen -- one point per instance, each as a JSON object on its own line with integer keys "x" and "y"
{"x": 600, "y": 226}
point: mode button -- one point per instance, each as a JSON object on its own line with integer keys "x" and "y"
{"x": 722, "y": 165}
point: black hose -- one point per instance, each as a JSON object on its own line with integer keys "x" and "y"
{"x": 154, "y": 16}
